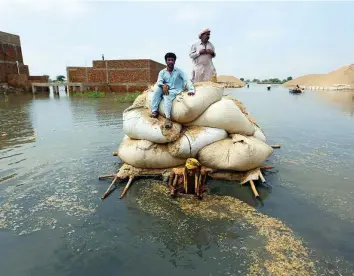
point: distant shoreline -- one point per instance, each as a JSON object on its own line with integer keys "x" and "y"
{"x": 270, "y": 82}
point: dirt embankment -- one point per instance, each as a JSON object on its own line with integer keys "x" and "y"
{"x": 231, "y": 80}
{"x": 342, "y": 76}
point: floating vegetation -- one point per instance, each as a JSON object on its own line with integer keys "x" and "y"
{"x": 128, "y": 97}
{"x": 95, "y": 94}
{"x": 89, "y": 94}
{"x": 284, "y": 253}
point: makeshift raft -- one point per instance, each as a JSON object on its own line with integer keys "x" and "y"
{"x": 130, "y": 173}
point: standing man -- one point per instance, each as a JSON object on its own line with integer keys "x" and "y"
{"x": 171, "y": 82}
{"x": 202, "y": 53}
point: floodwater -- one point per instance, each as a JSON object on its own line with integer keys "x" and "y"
{"x": 52, "y": 221}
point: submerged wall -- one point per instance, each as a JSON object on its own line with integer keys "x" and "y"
{"x": 117, "y": 75}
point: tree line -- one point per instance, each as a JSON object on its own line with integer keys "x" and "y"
{"x": 271, "y": 80}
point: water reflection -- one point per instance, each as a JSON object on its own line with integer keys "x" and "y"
{"x": 16, "y": 125}
{"x": 342, "y": 99}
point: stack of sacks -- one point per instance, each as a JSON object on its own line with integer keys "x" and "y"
{"x": 216, "y": 130}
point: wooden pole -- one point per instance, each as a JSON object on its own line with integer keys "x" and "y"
{"x": 275, "y": 146}
{"x": 174, "y": 183}
{"x": 126, "y": 187}
{"x": 267, "y": 167}
{"x": 254, "y": 190}
{"x": 261, "y": 177}
{"x": 109, "y": 188}
{"x": 106, "y": 176}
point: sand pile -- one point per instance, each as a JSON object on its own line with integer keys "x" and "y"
{"x": 231, "y": 80}
{"x": 306, "y": 80}
{"x": 342, "y": 76}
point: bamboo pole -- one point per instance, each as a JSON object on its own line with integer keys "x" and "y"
{"x": 174, "y": 184}
{"x": 126, "y": 187}
{"x": 254, "y": 190}
{"x": 275, "y": 146}
{"x": 106, "y": 176}
{"x": 175, "y": 181}
{"x": 109, "y": 188}
{"x": 267, "y": 167}
{"x": 262, "y": 177}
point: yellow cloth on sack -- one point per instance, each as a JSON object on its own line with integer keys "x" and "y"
{"x": 192, "y": 163}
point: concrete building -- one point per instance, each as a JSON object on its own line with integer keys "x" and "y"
{"x": 13, "y": 71}
{"x": 116, "y": 75}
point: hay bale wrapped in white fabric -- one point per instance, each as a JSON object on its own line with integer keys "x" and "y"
{"x": 226, "y": 114}
{"x": 147, "y": 155}
{"x": 193, "y": 139}
{"x": 239, "y": 153}
{"x": 137, "y": 124}
{"x": 259, "y": 134}
{"x": 187, "y": 108}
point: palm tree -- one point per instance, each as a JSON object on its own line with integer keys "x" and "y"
{"x": 61, "y": 78}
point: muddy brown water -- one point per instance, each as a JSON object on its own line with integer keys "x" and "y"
{"x": 52, "y": 221}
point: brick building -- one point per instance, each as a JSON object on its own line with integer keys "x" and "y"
{"x": 13, "y": 71}
{"x": 116, "y": 75}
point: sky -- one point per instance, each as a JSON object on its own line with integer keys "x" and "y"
{"x": 252, "y": 39}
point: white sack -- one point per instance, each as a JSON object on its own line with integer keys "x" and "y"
{"x": 137, "y": 124}
{"x": 240, "y": 153}
{"x": 187, "y": 108}
{"x": 147, "y": 155}
{"x": 225, "y": 114}
{"x": 259, "y": 134}
{"x": 193, "y": 139}
{"x": 141, "y": 100}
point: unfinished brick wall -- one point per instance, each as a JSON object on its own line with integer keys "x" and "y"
{"x": 10, "y": 53}
{"x": 24, "y": 69}
{"x": 117, "y": 75}
{"x": 12, "y": 69}
{"x": 6, "y": 69}
{"x": 77, "y": 74}
{"x": 16, "y": 80}
{"x": 40, "y": 79}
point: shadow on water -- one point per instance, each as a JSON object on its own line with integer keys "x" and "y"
{"x": 50, "y": 204}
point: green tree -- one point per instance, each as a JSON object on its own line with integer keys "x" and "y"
{"x": 248, "y": 80}
{"x": 242, "y": 79}
{"x": 289, "y": 78}
{"x": 60, "y": 78}
{"x": 255, "y": 80}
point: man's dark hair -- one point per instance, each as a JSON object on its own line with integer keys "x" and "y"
{"x": 170, "y": 55}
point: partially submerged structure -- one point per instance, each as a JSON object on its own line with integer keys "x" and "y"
{"x": 13, "y": 71}
{"x": 128, "y": 75}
